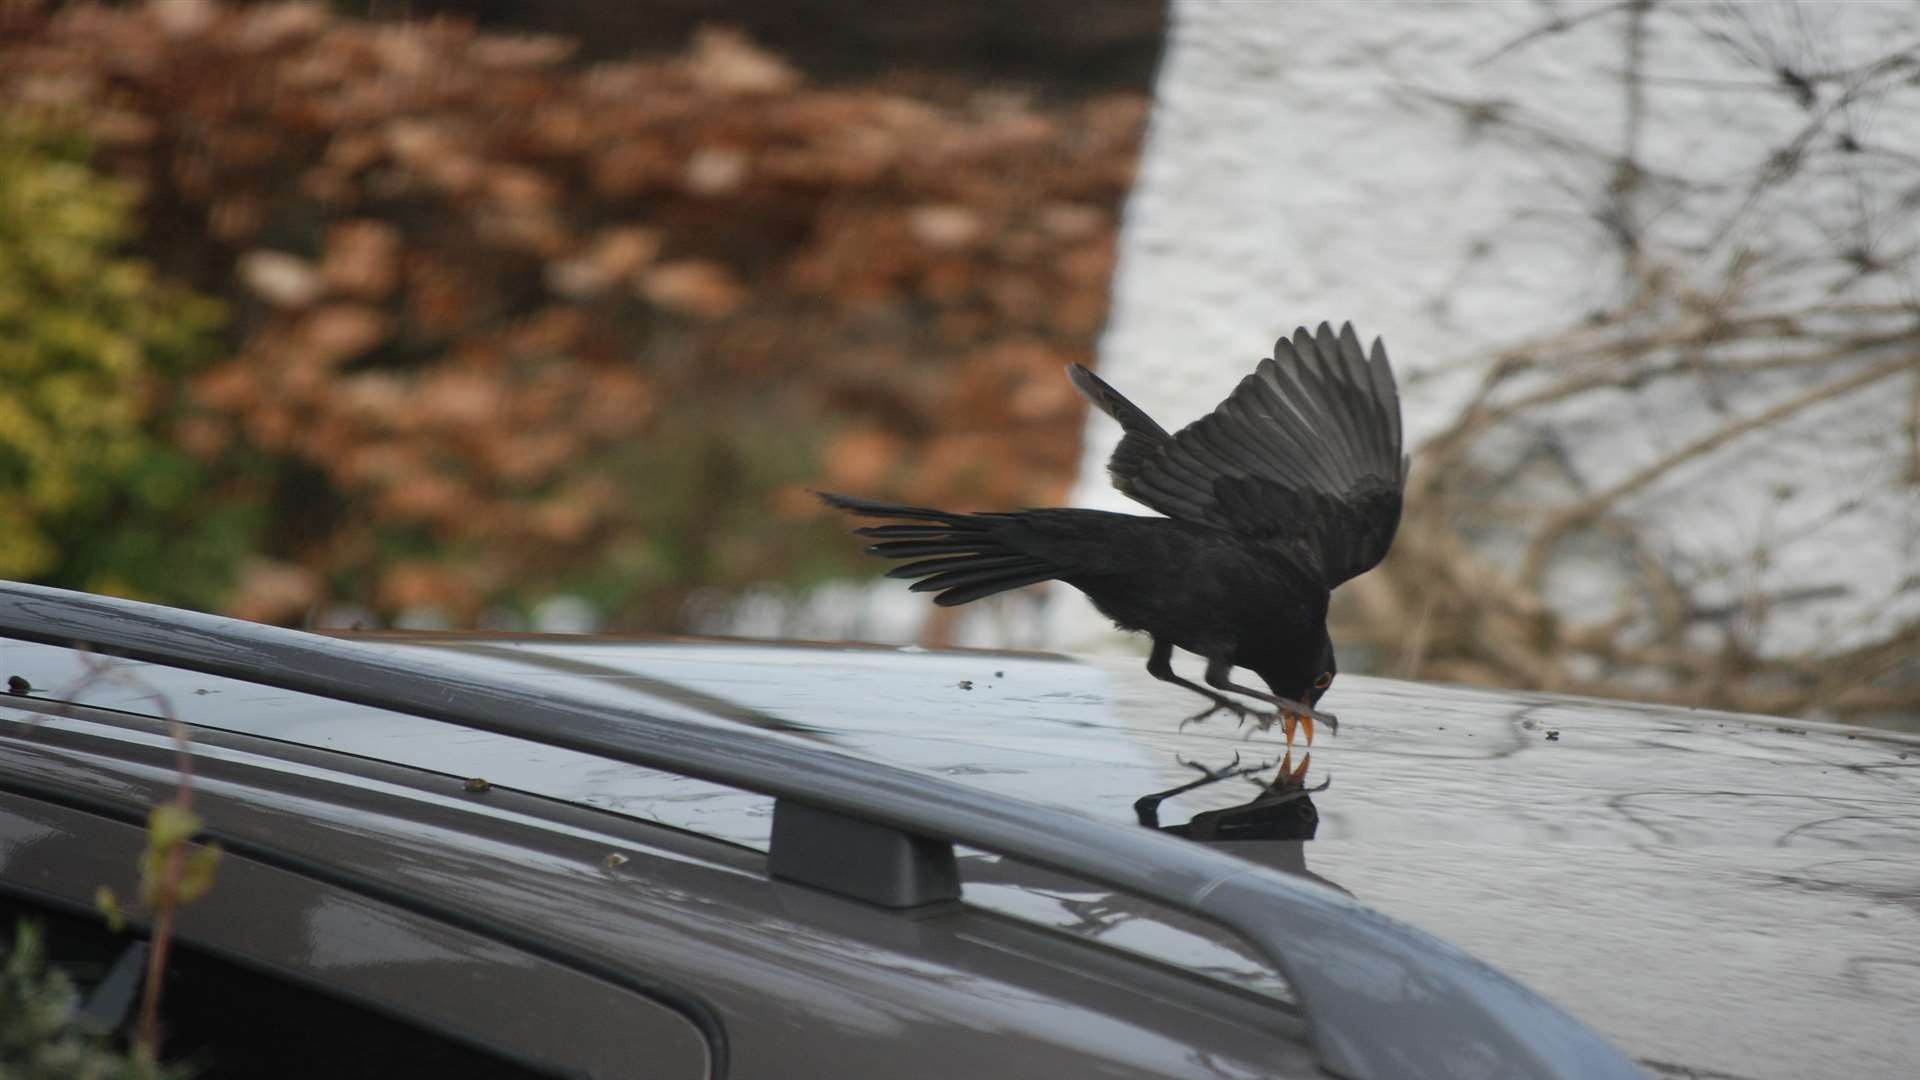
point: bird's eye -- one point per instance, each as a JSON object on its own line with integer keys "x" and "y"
{"x": 1325, "y": 679}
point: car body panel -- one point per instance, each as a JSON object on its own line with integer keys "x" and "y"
{"x": 1381, "y": 1000}
{"x": 806, "y": 984}
{"x": 450, "y": 980}
{"x": 1726, "y": 894}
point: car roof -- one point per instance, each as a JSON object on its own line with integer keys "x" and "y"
{"x": 1087, "y": 736}
{"x": 699, "y": 932}
{"x": 1624, "y": 857}
{"x": 857, "y": 811}
{"x": 1632, "y": 860}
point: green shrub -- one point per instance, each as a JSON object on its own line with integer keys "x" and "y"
{"x": 39, "y": 1036}
{"x": 92, "y": 344}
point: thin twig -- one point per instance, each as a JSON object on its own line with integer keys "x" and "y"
{"x": 101, "y": 670}
{"x": 1559, "y": 24}
{"x": 1558, "y": 525}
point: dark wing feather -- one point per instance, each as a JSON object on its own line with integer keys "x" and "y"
{"x": 1141, "y": 437}
{"x": 963, "y": 557}
{"x": 1305, "y": 454}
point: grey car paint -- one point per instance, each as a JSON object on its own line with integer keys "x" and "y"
{"x": 1718, "y": 894}
{"x": 809, "y": 985}
{"x": 458, "y": 982}
{"x": 1380, "y": 999}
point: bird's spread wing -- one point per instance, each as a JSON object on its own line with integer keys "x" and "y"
{"x": 1141, "y": 438}
{"x": 1305, "y": 454}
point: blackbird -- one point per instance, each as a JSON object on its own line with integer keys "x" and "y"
{"x": 1289, "y": 487}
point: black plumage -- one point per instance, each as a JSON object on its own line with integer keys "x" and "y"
{"x": 1289, "y": 487}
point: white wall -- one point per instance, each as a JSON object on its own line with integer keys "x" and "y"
{"x": 1312, "y": 161}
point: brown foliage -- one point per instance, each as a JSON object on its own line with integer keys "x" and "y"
{"x": 472, "y": 283}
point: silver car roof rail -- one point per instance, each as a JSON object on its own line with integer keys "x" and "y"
{"x": 1382, "y": 1001}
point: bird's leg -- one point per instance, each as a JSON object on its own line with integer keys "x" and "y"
{"x": 1147, "y": 807}
{"x": 1160, "y": 666}
{"x": 1239, "y": 711}
{"x": 1292, "y": 713}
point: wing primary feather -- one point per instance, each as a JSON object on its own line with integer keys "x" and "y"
{"x": 1383, "y": 410}
{"x": 1354, "y": 401}
{"x": 1258, "y": 414}
{"x": 1290, "y": 439}
{"x": 1336, "y": 399}
{"x": 1313, "y": 428}
{"x": 1305, "y": 454}
{"x": 1266, "y": 394}
{"x": 1367, "y": 383}
{"x": 1278, "y": 460}
{"x": 1391, "y": 398}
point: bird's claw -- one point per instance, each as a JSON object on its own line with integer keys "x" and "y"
{"x": 1238, "y": 710}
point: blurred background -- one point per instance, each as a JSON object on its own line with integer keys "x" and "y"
{"x": 513, "y": 315}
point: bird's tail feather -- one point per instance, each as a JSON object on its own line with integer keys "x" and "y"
{"x": 962, "y": 557}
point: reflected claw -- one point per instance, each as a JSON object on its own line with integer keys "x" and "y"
{"x": 1290, "y": 781}
{"x": 1147, "y": 807}
{"x": 1229, "y": 770}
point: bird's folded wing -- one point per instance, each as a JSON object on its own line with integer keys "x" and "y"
{"x": 1305, "y": 453}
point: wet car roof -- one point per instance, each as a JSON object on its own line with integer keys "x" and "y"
{"x": 1711, "y": 891}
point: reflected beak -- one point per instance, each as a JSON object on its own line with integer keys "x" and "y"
{"x": 1290, "y": 778}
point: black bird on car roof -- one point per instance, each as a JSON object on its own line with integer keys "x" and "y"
{"x": 1289, "y": 487}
